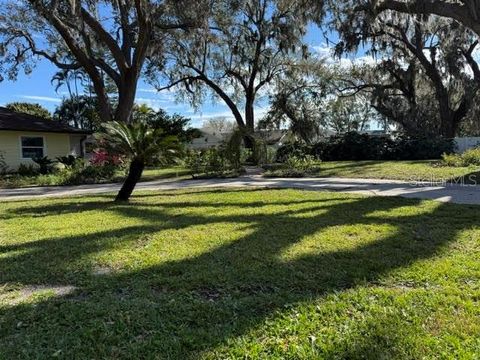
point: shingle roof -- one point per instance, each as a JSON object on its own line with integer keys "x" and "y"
{"x": 11, "y": 120}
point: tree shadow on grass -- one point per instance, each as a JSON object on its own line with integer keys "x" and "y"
{"x": 178, "y": 308}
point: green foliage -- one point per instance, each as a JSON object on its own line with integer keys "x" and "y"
{"x": 295, "y": 166}
{"x": 213, "y": 162}
{"x": 3, "y": 164}
{"x": 44, "y": 164}
{"x": 174, "y": 125}
{"x": 356, "y": 146}
{"x": 27, "y": 170}
{"x": 29, "y": 108}
{"x": 69, "y": 161}
{"x": 90, "y": 174}
{"x": 80, "y": 112}
{"x": 140, "y": 141}
{"x": 293, "y": 149}
{"x": 470, "y": 157}
{"x": 301, "y": 165}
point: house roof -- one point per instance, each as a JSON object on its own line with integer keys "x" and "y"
{"x": 11, "y": 120}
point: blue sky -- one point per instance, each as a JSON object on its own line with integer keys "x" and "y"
{"x": 37, "y": 88}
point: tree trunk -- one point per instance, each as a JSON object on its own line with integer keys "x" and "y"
{"x": 134, "y": 174}
{"x": 126, "y": 99}
{"x": 448, "y": 129}
{"x": 249, "y": 123}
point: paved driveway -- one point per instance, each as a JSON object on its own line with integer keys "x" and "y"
{"x": 461, "y": 194}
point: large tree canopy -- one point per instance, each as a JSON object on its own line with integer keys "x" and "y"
{"x": 250, "y": 43}
{"x": 466, "y": 12}
{"x": 29, "y": 108}
{"x": 109, "y": 40}
{"x": 419, "y": 55}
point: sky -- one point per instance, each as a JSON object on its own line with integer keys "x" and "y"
{"x": 37, "y": 88}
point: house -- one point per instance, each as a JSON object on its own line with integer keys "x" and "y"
{"x": 24, "y": 137}
{"x": 213, "y": 139}
{"x": 207, "y": 140}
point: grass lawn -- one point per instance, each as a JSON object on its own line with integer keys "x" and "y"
{"x": 149, "y": 174}
{"x": 270, "y": 274}
{"x": 423, "y": 170}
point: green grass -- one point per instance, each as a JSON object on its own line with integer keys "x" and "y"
{"x": 151, "y": 174}
{"x": 54, "y": 179}
{"x": 426, "y": 170}
{"x": 247, "y": 274}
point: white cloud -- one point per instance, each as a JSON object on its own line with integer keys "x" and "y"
{"x": 259, "y": 113}
{"x": 149, "y": 90}
{"x": 40, "y": 98}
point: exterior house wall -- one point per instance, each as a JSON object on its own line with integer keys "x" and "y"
{"x": 206, "y": 141}
{"x": 55, "y": 144}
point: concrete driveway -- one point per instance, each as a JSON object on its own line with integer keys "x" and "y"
{"x": 454, "y": 193}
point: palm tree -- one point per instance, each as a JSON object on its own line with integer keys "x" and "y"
{"x": 140, "y": 143}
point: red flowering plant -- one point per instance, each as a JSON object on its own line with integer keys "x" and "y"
{"x": 103, "y": 156}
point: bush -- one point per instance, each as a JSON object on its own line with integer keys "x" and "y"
{"x": 212, "y": 162}
{"x": 91, "y": 174}
{"x": 470, "y": 157}
{"x": 295, "y": 166}
{"x": 3, "y": 164}
{"x": 27, "y": 170}
{"x": 44, "y": 164}
{"x": 355, "y": 146}
{"x": 68, "y": 161}
{"x": 420, "y": 148}
{"x": 292, "y": 149}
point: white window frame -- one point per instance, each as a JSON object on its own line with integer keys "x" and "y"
{"x": 44, "y": 147}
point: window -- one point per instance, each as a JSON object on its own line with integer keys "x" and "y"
{"x": 32, "y": 147}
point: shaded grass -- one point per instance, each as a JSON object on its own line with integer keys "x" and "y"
{"x": 421, "y": 170}
{"x": 239, "y": 274}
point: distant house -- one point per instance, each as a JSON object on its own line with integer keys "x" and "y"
{"x": 24, "y": 137}
{"x": 274, "y": 138}
{"x": 207, "y": 140}
{"x": 212, "y": 139}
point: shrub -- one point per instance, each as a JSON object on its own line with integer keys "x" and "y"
{"x": 355, "y": 146}
{"x": 295, "y": 166}
{"x": 68, "y": 161}
{"x": 90, "y": 174}
{"x": 420, "y": 148}
{"x": 301, "y": 163}
{"x": 3, "y": 164}
{"x": 44, "y": 164}
{"x": 271, "y": 155}
{"x": 27, "y": 170}
{"x": 292, "y": 149}
{"x": 470, "y": 157}
{"x": 212, "y": 162}
{"x": 101, "y": 158}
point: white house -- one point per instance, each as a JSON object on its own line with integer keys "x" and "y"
{"x": 25, "y": 137}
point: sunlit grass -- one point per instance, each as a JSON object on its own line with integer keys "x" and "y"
{"x": 239, "y": 274}
{"x": 422, "y": 170}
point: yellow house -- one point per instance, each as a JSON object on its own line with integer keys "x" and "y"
{"x": 25, "y": 137}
